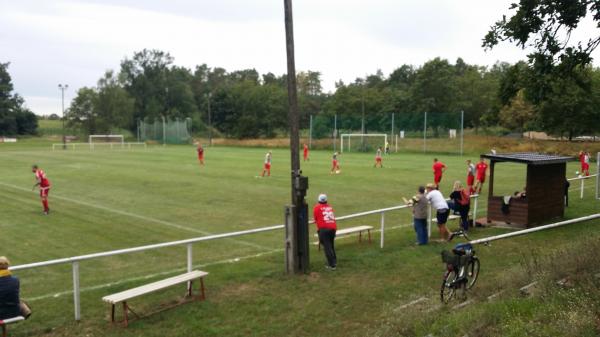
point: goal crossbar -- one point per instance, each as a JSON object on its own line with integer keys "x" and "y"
{"x": 350, "y": 135}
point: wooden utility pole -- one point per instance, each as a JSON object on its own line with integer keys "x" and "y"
{"x": 296, "y": 244}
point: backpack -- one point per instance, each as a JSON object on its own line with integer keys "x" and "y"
{"x": 465, "y": 197}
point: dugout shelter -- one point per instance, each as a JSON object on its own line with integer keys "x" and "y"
{"x": 545, "y": 190}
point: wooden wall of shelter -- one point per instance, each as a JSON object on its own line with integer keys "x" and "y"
{"x": 546, "y": 178}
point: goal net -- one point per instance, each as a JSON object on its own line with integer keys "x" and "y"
{"x": 106, "y": 139}
{"x": 166, "y": 131}
{"x": 362, "y": 142}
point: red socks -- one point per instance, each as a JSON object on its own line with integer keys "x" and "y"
{"x": 45, "y": 203}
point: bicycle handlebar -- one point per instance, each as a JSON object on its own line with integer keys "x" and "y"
{"x": 458, "y": 233}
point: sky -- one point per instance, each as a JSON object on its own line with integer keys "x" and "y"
{"x": 75, "y": 41}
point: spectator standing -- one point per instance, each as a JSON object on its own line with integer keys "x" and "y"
{"x": 326, "y": 227}
{"x": 419, "y": 204}
{"x": 438, "y": 202}
{"x": 461, "y": 203}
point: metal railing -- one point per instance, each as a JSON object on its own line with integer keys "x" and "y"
{"x": 74, "y": 261}
{"x": 535, "y": 229}
{"x": 583, "y": 179}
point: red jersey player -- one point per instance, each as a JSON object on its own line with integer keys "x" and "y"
{"x": 305, "y": 152}
{"x": 470, "y": 176}
{"x": 582, "y": 161}
{"x": 326, "y": 228}
{"x": 378, "y": 158}
{"x": 335, "y": 166}
{"x": 481, "y": 169}
{"x": 586, "y": 164}
{"x": 44, "y": 184}
{"x": 200, "y": 150}
{"x": 438, "y": 169}
{"x": 267, "y": 168}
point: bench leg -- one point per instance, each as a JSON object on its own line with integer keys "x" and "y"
{"x": 189, "y": 293}
{"x": 3, "y": 330}
{"x": 125, "y": 314}
{"x": 112, "y": 314}
{"x": 360, "y": 236}
{"x": 202, "y": 292}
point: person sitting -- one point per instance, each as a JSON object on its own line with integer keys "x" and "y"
{"x": 522, "y": 194}
{"x": 9, "y": 291}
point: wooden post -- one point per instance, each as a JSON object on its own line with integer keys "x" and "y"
{"x": 294, "y": 121}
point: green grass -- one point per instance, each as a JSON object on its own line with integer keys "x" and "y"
{"x": 107, "y": 200}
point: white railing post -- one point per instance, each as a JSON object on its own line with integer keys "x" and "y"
{"x": 429, "y": 220}
{"x": 189, "y": 257}
{"x": 582, "y": 187}
{"x": 475, "y": 209}
{"x": 382, "y": 227}
{"x": 76, "y": 297}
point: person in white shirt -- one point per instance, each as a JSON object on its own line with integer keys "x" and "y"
{"x": 438, "y": 202}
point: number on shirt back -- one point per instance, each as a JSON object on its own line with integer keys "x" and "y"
{"x": 328, "y": 216}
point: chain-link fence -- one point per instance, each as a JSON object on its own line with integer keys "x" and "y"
{"x": 165, "y": 131}
{"x": 414, "y": 132}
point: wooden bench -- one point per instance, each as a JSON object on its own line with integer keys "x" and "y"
{"x": 5, "y": 322}
{"x": 126, "y": 295}
{"x": 351, "y": 230}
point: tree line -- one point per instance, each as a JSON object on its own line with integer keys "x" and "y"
{"x": 246, "y": 104}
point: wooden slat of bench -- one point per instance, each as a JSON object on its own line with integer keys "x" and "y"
{"x": 350, "y": 230}
{"x": 11, "y": 320}
{"x": 152, "y": 287}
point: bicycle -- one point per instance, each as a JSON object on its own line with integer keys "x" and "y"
{"x": 462, "y": 268}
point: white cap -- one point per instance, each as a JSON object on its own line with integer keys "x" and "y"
{"x": 322, "y": 198}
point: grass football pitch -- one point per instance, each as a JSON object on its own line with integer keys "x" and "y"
{"x": 106, "y": 200}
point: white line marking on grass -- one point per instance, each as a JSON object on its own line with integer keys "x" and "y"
{"x": 137, "y": 216}
{"x": 411, "y": 303}
{"x": 138, "y": 278}
{"x": 462, "y": 305}
{"x": 494, "y": 296}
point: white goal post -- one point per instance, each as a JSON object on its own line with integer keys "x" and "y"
{"x": 110, "y": 139}
{"x": 350, "y": 135}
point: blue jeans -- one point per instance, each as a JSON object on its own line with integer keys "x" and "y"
{"x": 421, "y": 229}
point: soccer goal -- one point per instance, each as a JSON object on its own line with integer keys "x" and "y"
{"x": 106, "y": 139}
{"x": 364, "y": 141}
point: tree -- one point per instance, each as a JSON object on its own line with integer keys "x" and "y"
{"x": 518, "y": 113}
{"x": 102, "y": 109}
{"x": 82, "y": 113}
{"x": 572, "y": 109}
{"x": 15, "y": 118}
{"x": 547, "y": 26}
{"x": 145, "y": 79}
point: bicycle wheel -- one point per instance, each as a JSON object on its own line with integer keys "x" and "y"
{"x": 472, "y": 271}
{"x": 448, "y": 286}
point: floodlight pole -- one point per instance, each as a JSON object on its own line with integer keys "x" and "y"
{"x": 208, "y": 96}
{"x": 425, "y": 133}
{"x": 462, "y": 130}
{"x": 62, "y": 88}
{"x": 362, "y": 128}
{"x": 310, "y": 133}
{"x": 392, "y": 135}
{"x": 296, "y": 244}
{"x": 334, "y": 132}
